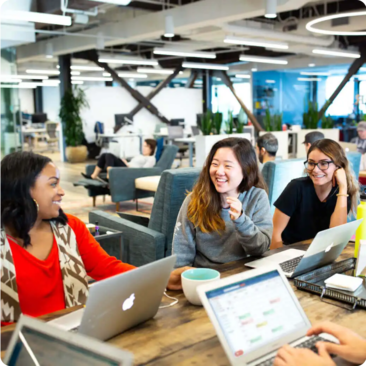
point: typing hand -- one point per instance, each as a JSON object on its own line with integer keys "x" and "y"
{"x": 235, "y": 207}
{"x": 288, "y": 356}
{"x": 175, "y": 279}
{"x": 352, "y": 347}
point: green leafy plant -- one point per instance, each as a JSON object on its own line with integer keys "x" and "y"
{"x": 71, "y": 104}
{"x": 327, "y": 122}
{"x": 229, "y": 123}
{"x": 241, "y": 121}
{"x": 272, "y": 122}
{"x": 206, "y": 123}
{"x": 217, "y": 121}
{"x": 310, "y": 117}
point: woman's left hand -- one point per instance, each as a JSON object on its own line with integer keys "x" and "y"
{"x": 235, "y": 207}
{"x": 175, "y": 279}
{"x": 340, "y": 178}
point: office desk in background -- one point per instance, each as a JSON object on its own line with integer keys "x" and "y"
{"x": 183, "y": 334}
{"x": 111, "y": 136}
{"x": 190, "y": 141}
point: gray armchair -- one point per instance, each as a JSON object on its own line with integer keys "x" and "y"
{"x": 148, "y": 240}
{"x": 122, "y": 180}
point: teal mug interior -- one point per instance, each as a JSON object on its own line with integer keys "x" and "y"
{"x": 200, "y": 274}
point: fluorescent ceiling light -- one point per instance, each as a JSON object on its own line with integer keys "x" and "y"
{"x": 197, "y": 65}
{"x": 128, "y": 75}
{"x": 28, "y": 16}
{"x": 45, "y": 72}
{"x": 271, "y": 9}
{"x": 77, "y": 82}
{"x": 242, "y": 76}
{"x": 309, "y": 79}
{"x": 315, "y": 73}
{"x": 39, "y": 77}
{"x": 155, "y": 71}
{"x": 75, "y": 73}
{"x": 265, "y": 60}
{"x": 310, "y": 28}
{"x": 10, "y": 80}
{"x": 18, "y": 86}
{"x": 36, "y": 84}
{"x": 53, "y": 82}
{"x": 86, "y": 68}
{"x": 126, "y": 61}
{"x": 340, "y": 53}
{"x": 115, "y": 2}
{"x": 254, "y": 69}
{"x": 90, "y": 78}
{"x": 270, "y": 81}
{"x": 311, "y": 65}
{"x": 254, "y": 42}
{"x": 184, "y": 53}
{"x": 198, "y": 81}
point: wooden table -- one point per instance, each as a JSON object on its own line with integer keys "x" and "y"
{"x": 183, "y": 334}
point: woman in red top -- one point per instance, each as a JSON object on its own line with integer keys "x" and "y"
{"x": 45, "y": 254}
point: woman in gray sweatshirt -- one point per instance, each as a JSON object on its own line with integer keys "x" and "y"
{"x": 227, "y": 216}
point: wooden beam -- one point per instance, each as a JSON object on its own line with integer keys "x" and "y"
{"x": 225, "y": 78}
{"x": 192, "y": 78}
{"x": 161, "y": 86}
{"x": 351, "y": 71}
{"x": 92, "y": 55}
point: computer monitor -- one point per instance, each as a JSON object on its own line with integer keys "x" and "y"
{"x": 122, "y": 119}
{"x": 39, "y": 118}
{"x": 177, "y": 122}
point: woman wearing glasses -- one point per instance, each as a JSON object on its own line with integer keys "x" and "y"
{"x": 319, "y": 201}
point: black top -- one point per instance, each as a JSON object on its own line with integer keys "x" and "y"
{"x": 307, "y": 214}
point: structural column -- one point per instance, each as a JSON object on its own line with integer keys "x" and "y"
{"x": 207, "y": 90}
{"x": 38, "y": 99}
{"x": 64, "y": 62}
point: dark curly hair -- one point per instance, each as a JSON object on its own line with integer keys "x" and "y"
{"x": 19, "y": 172}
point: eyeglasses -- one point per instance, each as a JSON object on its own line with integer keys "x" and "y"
{"x": 322, "y": 164}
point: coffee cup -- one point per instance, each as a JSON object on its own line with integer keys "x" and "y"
{"x": 192, "y": 278}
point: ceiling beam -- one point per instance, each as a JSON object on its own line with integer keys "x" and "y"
{"x": 132, "y": 28}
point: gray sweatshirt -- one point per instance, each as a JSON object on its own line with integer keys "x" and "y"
{"x": 250, "y": 234}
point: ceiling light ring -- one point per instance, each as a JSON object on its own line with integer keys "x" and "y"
{"x": 310, "y": 28}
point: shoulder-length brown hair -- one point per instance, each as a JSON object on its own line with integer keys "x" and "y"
{"x": 205, "y": 205}
{"x": 336, "y": 153}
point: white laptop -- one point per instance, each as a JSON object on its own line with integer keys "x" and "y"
{"x": 35, "y": 343}
{"x": 324, "y": 249}
{"x": 254, "y": 314}
{"x": 120, "y": 302}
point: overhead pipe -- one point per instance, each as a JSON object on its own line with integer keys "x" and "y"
{"x": 65, "y": 9}
{"x": 273, "y": 34}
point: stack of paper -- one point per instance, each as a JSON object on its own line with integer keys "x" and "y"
{"x": 343, "y": 282}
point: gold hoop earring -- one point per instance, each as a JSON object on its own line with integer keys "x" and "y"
{"x": 37, "y": 205}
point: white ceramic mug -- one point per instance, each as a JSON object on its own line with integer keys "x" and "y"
{"x": 192, "y": 278}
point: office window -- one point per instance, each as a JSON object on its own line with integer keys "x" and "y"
{"x": 343, "y": 104}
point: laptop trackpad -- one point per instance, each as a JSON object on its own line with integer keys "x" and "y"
{"x": 69, "y": 321}
{"x": 277, "y": 258}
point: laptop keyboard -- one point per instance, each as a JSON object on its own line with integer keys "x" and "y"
{"x": 290, "y": 265}
{"x": 310, "y": 344}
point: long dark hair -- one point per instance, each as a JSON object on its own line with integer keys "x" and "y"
{"x": 205, "y": 206}
{"x": 19, "y": 172}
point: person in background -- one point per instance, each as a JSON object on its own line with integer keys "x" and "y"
{"x": 311, "y": 137}
{"x": 319, "y": 201}
{"x": 227, "y": 215}
{"x": 266, "y": 148}
{"x": 46, "y": 255}
{"x": 107, "y": 161}
{"x": 351, "y": 348}
{"x": 360, "y": 140}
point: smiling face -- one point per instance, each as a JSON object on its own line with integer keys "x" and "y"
{"x": 321, "y": 177}
{"x": 146, "y": 149}
{"x": 362, "y": 134}
{"x": 47, "y": 192}
{"x": 225, "y": 172}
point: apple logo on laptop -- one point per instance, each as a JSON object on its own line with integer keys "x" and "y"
{"x": 128, "y": 303}
{"x": 328, "y": 248}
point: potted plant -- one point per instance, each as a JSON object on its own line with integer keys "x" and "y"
{"x": 217, "y": 122}
{"x": 229, "y": 123}
{"x": 327, "y": 122}
{"x": 71, "y": 104}
{"x": 272, "y": 122}
{"x": 310, "y": 117}
{"x": 242, "y": 120}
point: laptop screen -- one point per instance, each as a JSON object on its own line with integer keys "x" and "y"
{"x": 35, "y": 348}
{"x": 254, "y": 312}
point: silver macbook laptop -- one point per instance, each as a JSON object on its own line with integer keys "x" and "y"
{"x": 324, "y": 249}
{"x": 120, "y": 302}
{"x": 35, "y": 343}
{"x": 254, "y": 314}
